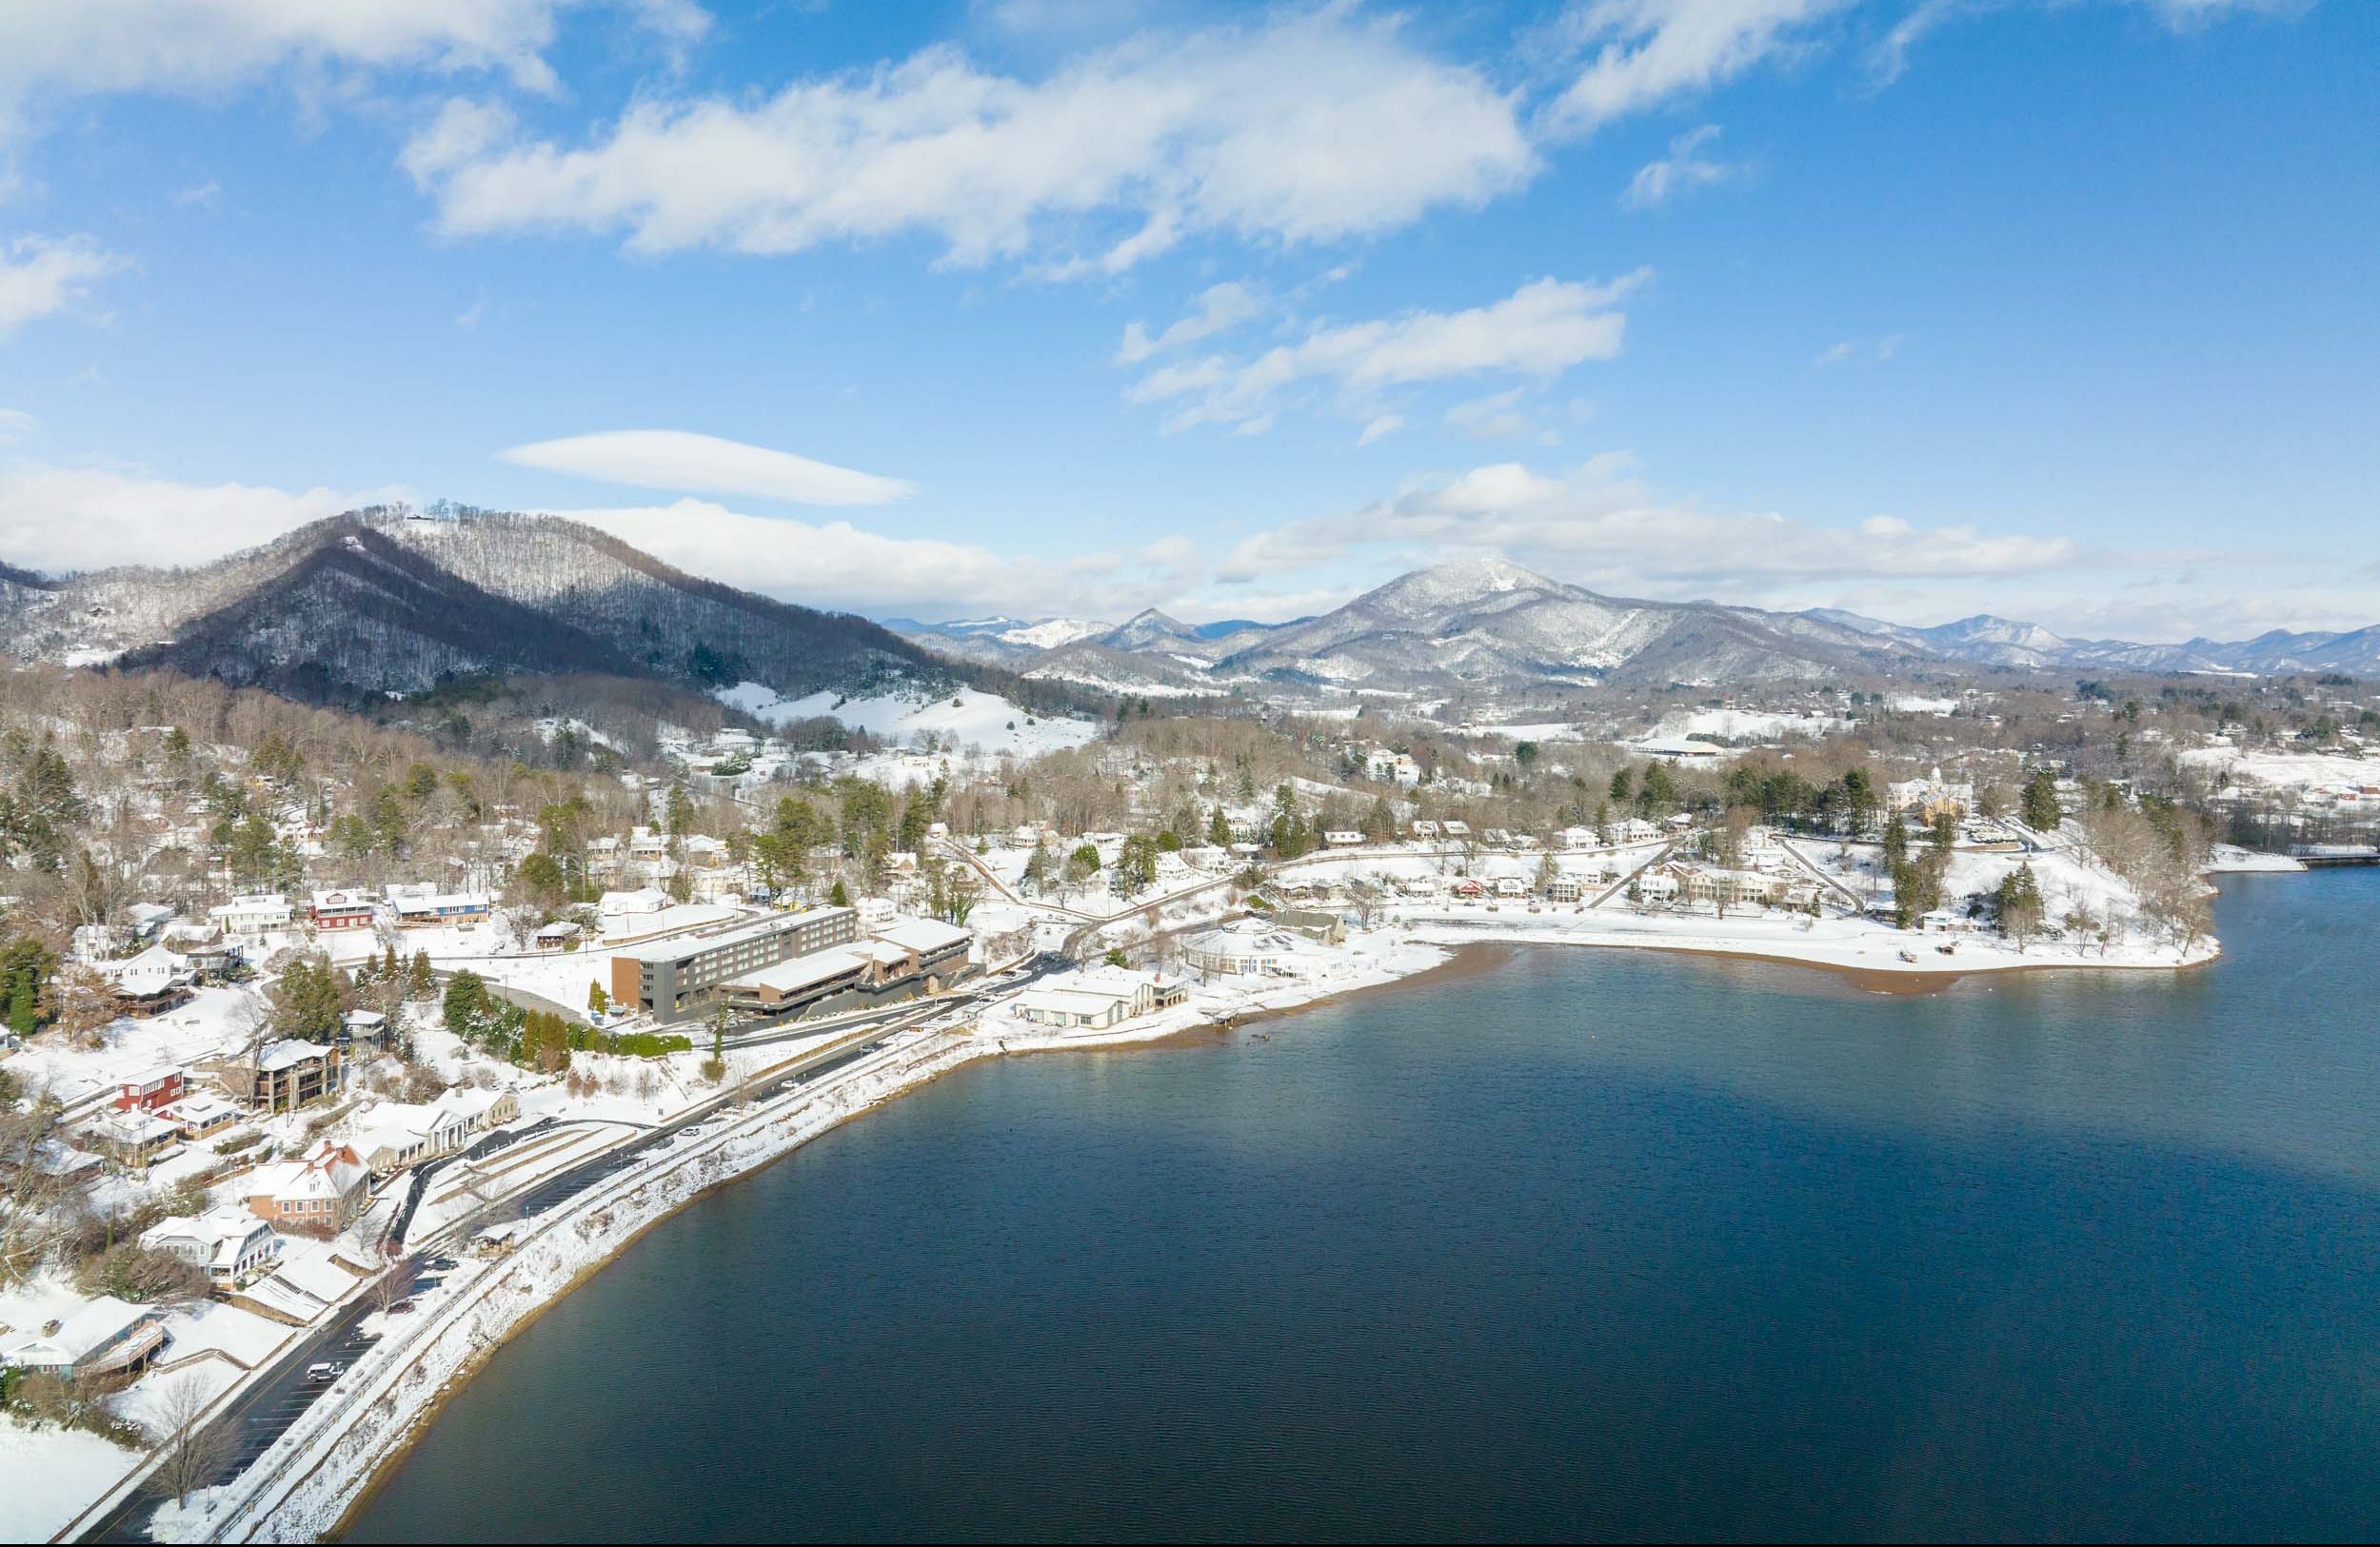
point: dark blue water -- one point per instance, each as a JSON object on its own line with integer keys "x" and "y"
{"x": 1589, "y": 1243}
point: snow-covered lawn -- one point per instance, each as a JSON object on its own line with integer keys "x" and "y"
{"x": 214, "y": 1020}
{"x": 47, "y": 1478}
{"x": 963, "y": 718}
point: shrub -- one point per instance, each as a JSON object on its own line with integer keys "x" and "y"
{"x": 130, "y": 1271}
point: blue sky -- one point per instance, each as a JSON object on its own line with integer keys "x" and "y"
{"x": 2061, "y": 308}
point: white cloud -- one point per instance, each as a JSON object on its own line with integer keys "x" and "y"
{"x": 61, "y": 519}
{"x": 40, "y": 275}
{"x": 670, "y": 459}
{"x": 1221, "y": 307}
{"x": 1889, "y": 59}
{"x": 1683, "y": 169}
{"x": 199, "y": 46}
{"x": 1496, "y": 416}
{"x": 1601, "y": 524}
{"x": 204, "y": 195}
{"x": 836, "y": 564}
{"x": 1644, "y": 52}
{"x": 15, "y": 424}
{"x": 1540, "y": 330}
{"x": 1860, "y": 351}
{"x": 1382, "y": 424}
{"x": 1311, "y": 125}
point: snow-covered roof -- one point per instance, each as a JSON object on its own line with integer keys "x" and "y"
{"x": 925, "y": 936}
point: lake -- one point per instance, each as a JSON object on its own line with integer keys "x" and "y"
{"x": 1581, "y": 1243}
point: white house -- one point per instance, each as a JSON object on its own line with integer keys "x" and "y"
{"x": 1340, "y": 838}
{"x": 1098, "y": 999}
{"x": 152, "y": 975}
{"x": 105, "y": 1336}
{"x": 252, "y": 915}
{"x": 232, "y": 1244}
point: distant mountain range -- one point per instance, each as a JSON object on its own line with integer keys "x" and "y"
{"x": 1490, "y": 625}
{"x": 390, "y": 600}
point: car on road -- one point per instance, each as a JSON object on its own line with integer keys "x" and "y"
{"x": 320, "y": 1371}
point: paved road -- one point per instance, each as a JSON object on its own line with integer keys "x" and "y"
{"x": 281, "y": 1395}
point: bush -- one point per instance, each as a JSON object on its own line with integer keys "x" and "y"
{"x": 130, "y": 1271}
{"x": 238, "y": 1142}
{"x": 646, "y": 1045}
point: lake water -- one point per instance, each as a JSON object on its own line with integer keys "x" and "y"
{"x": 1589, "y": 1243}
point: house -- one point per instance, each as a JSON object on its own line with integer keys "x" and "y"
{"x": 106, "y": 1337}
{"x": 425, "y": 907}
{"x": 135, "y": 1137}
{"x": 1928, "y": 799}
{"x": 147, "y": 921}
{"x": 1468, "y": 887}
{"x": 337, "y": 910}
{"x": 405, "y": 1134}
{"x": 323, "y": 1192}
{"x": 1207, "y": 856}
{"x": 150, "y": 1089}
{"x": 153, "y": 980}
{"x": 1511, "y": 886}
{"x": 1314, "y": 923}
{"x": 1578, "y": 838}
{"x": 1248, "y": 948}
{"x": 1426, "y": 831}
{"x": 1456, "y": 830}
{"x": 252, "y": 915}
{"x": 1099, "y": 1000}
{"x": 232, "y": 1244}
{"x": 553, "y": 936}
{"x": 1565, "y": 889}
{"x": 707, "y": 853}
{"x": 365, "y": 1031}
{"x": 201, "y": 1114}
{"x": 1637, "y": 831}
{"x": 1340, "y": 838}
{"x": 1655, "y": 885}
{"x": 281, "y": 1077}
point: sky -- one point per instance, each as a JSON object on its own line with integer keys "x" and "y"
{"x": 2063, "y": 309}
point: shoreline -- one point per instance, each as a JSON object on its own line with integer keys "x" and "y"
{"x": 358, "y": 1476}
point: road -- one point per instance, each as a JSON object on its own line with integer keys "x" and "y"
{"x": 281, "y": 1394}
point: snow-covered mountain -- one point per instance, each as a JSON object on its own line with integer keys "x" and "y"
{"x": 387, "y": 600}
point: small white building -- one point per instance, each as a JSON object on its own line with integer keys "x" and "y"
{"x": 232, "y": 1244}
{"x": 106, "y": 1337}
{"x": 252, "y": 915}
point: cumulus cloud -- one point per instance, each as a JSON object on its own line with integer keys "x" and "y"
{"x": 1309, "y": 125}
{"x": 673, "y": 458}
{"x": 1540, "y": 330}
{"x": 1640, "y": 54}
{"x": 61, "y": 519}
{"x": 40, "y": 275}
{"x": 1683, "y": 169}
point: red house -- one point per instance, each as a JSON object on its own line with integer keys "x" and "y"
{"x": 149, "y": 1089}
{"x": 343, "y": 910}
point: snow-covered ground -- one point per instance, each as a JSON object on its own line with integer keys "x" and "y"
{"x": 214, "y": 1020}
{"x": 2232, "y": 860}
{"x": 2283, "y": 770}
{"x": 964, "y": 718}
{"x": 49, "y": 1476}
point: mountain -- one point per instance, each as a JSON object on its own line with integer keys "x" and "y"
{"x": 1489, "y": 623}
{"x": 389, "y": 601}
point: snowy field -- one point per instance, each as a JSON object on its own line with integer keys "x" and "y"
{"x": 965, "y": 717}
{"x": 2283, "y": 770}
